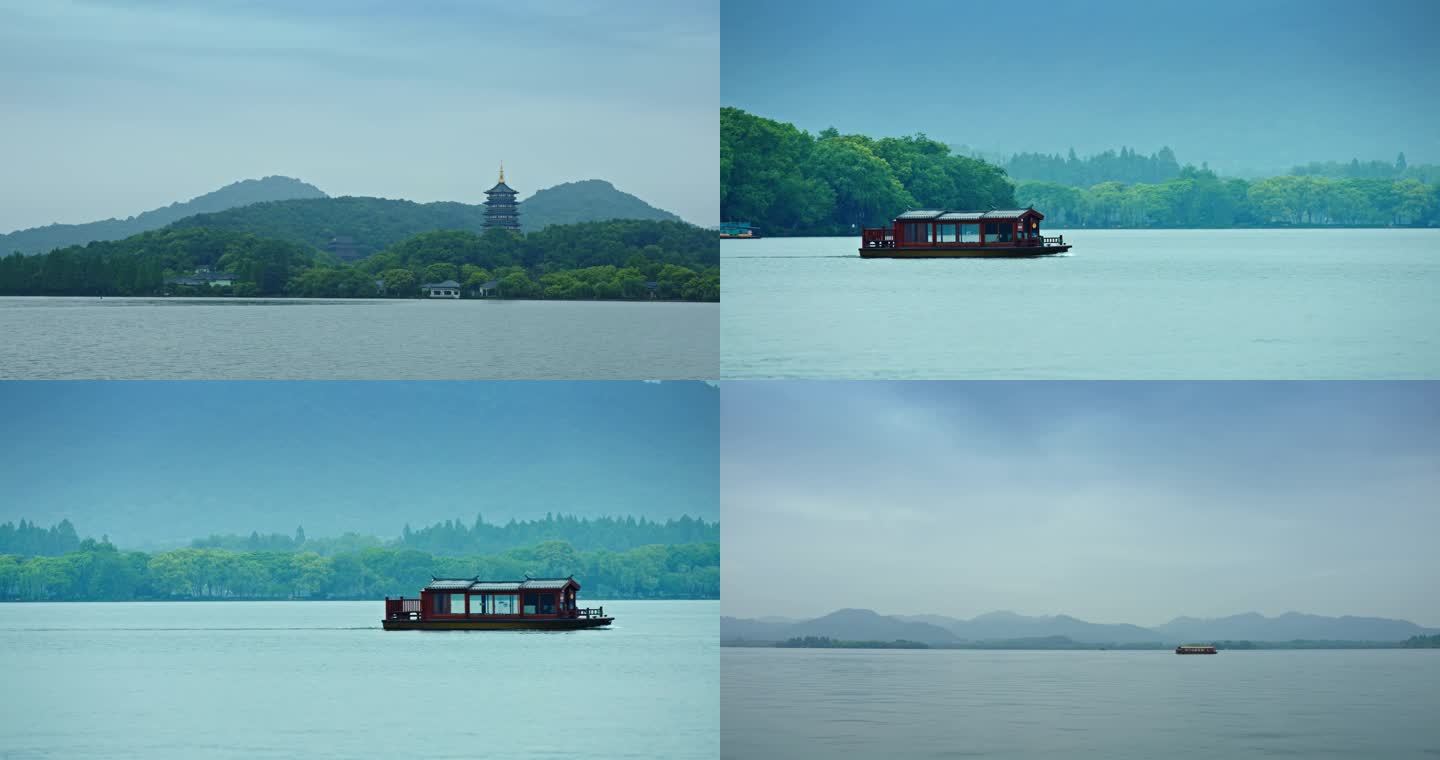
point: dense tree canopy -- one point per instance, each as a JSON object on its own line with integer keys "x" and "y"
{"x": 610, "y": 260}
{"x": 456, "y": 538}
{"x": 28, "y": 538}
{"x": 1126, "y": 166}
{"x": 787, "y": 181}
{"x": 1198, "y": 198}
{"x": 98, "y": 571}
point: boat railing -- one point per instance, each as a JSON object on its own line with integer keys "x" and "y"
{"x": 877, "y": 237}
{"x": 590, "y": 612}
{"x": 401, "y": 608}
{"x": 1057, "y": 240}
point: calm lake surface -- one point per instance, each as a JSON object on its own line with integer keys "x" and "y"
{"x": 321, "y": 679}
{"x": 946, "y": 704}
{"x": 348, "y": 339}
{"x": 1123, "y": 304}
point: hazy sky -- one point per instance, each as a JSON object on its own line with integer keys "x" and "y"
{"x": 1240, "y": 83}
{"x": 109, "y": 108}
{"x": 1112, "y": 502}
{"x": 172, "y": 461}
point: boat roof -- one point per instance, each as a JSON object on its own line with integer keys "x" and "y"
{"x": 475, "y": 584}
{"x": 962, "y": 216}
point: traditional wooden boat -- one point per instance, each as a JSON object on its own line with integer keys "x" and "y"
{"x": 738, "y": 231}
{"x": 470, "y": 604}
{"x": 940, "y": 234}
{"x": 1195, "y": 649}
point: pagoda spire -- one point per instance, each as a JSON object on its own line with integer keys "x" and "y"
{"x": 502, "y": 172}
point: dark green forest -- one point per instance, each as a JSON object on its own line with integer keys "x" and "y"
{"x": 29, "y": 539}
{"x": 605, "y": 260}
{"x": 1200, "y": 198}
{"x": 1126, "y": 166}
{"x": 98, "y": 571}
{"x": 616, "y": 558}
{"x": 789, "y": 182}
{"x": 456, "y": 538}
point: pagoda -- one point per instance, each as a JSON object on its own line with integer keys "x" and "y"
{"x": 501, "y": 210}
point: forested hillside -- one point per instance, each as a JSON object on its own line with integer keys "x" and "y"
{"x": 50, "y": 237}
{"x": 374, "y": 224}
{"x": 788, "y": 181}
{"x": 609, "y": 260}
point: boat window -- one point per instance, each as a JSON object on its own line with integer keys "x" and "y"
{"x": 917, "y": 232}
{"x": 945, "y": 233}
{"x": 547, "y": 604}
{"x": 457, "y": 604}
{"x": 531, "y": 600}
{"x": 477, "y": 604}
{"x": 502, "y": 604}
{"x": 970, "y": 233}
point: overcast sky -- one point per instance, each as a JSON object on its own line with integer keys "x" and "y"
{"x": 1238, "y": 83}
{"x": 109, "y": 108}
{"x": 171, "y": 461}
{"x": 1112, "y": 502}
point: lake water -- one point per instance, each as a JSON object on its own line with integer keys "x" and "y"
{"x": 338, "y": 339}
{"x": 946, "y": 704}
{"x": 321, "y": 679}
{"x": 1123, "y": 304}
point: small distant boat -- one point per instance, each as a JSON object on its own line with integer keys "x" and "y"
{"x": 738, "y": 231}
{"x": 940, "y": 234}
{"x": 1195, "y": 649}
{"x": 470, "y": 604}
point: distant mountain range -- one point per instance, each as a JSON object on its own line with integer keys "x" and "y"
{"x": 288, "y": 209}
{"x": 866, "y": 625}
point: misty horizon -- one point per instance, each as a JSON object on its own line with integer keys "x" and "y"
{"x": 157, "y": 463}
{"x": 1108, "y": 502}
{"x": 1215, "y": 83}
{"x": 115, "y": 109}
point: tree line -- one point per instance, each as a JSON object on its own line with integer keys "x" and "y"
{"x": 620, "y": 259}
{"x": 28, "y": 538}
{"x": 790, "y": 182}
{"x": 1126, "y": 166}
{"x": 456, "y": 538}
{"x": 1200, "y": 198}
{"x": 98, "y": 571}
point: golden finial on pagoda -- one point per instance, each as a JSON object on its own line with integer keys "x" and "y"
{"x": 502, "y": 172}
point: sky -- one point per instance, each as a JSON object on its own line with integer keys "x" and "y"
{"x": 165, "y": 462}
{"x": 113, "y": 107}
{"x": 1114, "y": 502}
{"x": 1258, "y": 84}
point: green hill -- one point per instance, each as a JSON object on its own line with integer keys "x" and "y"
{"x": 591, "y": 200}
{"x": 616, "y": 259}
{"x": 245, "y": 192}
{"x": 369, "y": 225}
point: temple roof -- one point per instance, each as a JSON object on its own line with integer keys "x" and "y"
{"x": 501, "y": 187}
